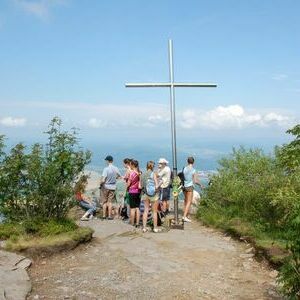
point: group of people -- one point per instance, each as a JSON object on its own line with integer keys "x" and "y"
{"x": 152, "y": 188}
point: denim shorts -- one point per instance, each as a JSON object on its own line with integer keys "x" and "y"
{"x": 165, "y": 194}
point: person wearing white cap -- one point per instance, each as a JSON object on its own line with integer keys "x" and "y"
{"x": 164, "y": 174}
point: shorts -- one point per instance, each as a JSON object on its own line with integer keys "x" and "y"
{"x": 150, "y": 198}
{"x": 164, "y": 194}
{"x": 188, "y": 189}
{"x": 134, "y": 200}
{"x": 108, "y": 196}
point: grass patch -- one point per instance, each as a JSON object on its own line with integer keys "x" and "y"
{"x": 8, "y": 230}
{"x": 51, "y": 243}
{"x": 36, "y": 236}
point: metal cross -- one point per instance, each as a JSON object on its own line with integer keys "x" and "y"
{"x": 172, "y": 85}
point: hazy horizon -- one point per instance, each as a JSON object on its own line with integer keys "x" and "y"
{"x": 69, "y": 59}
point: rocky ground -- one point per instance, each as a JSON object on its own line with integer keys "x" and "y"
{"x": 14, "y": 280}
{"x": 124, "y": 263}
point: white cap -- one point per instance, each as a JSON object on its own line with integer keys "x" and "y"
{"x": 163, "y": 161}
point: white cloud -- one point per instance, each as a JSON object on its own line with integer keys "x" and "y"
{"x": 189, "y": 119}
{"x": 155, "y": 120}
{"x": 232, "y": 116}
{"x": 273, "y": 117}
{"x": 38, "y": 8}
{"x": 107, "y": 115}
{"x": 13, "y": 122}
{"x": 153, "y": 115}
{"x": 96, "y": 123}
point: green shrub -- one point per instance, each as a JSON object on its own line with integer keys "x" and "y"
{"x": 40, "y": 183}
{"x": 259, "y": 195}
{"x": 243, "y": 186}
{"x": 289, "y": 275}
{"x": 289, "y": 198}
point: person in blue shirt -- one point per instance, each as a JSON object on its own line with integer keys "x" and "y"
{"x": 190, "y": 179}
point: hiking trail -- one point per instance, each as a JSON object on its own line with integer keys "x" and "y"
{"x": 124, "y": 263}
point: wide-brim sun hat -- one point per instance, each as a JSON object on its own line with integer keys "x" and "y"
{"x": 163, "y": 161}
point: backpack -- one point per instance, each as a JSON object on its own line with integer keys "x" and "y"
{"x": 123, "y": 212}
{"x": 181, "y": 176}
{"x": 150, "y": 185}
{"x": 171, "y": 179}
{"x": 160, "y": 215}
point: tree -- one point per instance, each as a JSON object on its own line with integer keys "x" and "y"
{"x": 41, "y": 183}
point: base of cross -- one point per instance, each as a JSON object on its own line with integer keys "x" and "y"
{"x": 175, "y": 225}
{"x": 174, "y": 221}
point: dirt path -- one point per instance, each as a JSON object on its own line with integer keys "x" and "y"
{"x": 121, "y": 263}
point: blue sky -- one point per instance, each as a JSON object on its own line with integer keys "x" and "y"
{"x": 72, "y": 58}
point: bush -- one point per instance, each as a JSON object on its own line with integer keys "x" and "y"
{"x": 243, "y": 184}
{"x": 259, "y": 195}
{"x": 41, "y": 183}
{"x": 289, "y": 197}
{"x": 289, "y": 275}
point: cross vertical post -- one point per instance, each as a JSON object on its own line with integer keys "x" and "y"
{"x": 173, "y": 123}
{"x": 171, "y": 85}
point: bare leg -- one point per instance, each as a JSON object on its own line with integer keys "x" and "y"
{"x": 109, "y": 206}
{"x": 164, "y": 203}
{"x": 145, "y": 214}
{"x": 132, "y": 215}
{"x": 185, "y": 200}
{"x": 189, "y": 196}
{"x": 104, "y": 209}
{"x": 154, "y": 213}
{"x": 138, "y": 215}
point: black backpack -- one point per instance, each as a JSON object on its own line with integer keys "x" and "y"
{"x": 123, "y": 212}
{"x": 181, "y": 176}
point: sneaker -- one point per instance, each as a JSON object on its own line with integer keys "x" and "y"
{"x": 84, "y": 219}
{"x": 145, "y": 229}
{"x": 185, "y": 219}
{"x": 91, "y": 217}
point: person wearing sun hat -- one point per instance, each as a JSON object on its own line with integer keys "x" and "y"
{"x": 108, "y": 183}
{"x": 164, "y": 174}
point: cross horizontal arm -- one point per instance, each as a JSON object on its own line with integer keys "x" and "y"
{"x": 154, "y": 84}
{"x": 168, "y": 84}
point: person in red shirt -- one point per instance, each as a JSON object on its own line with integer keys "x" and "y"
{"x": 134, "y": 191}
{"x": 84, "y": 201}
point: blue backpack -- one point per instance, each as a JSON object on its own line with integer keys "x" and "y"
{"x": 150, "y": 185}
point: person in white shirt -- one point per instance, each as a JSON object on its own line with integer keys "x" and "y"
{"x": 164, "y": 177}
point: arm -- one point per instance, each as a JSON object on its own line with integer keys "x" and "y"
{"x": 155, "y": 180}
{"x": 197, "y": 181}
{"x": 103, "y": 177}
{"x": 159, "y": 175}
{"x": 86, "y": 198}
{"x": 118, "y": 174}
{"x": 128, "y": 182}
